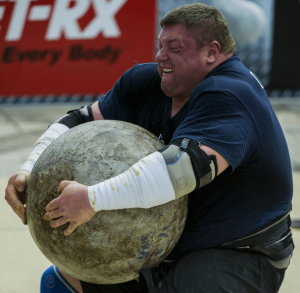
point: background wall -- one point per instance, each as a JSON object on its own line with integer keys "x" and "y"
{"x": 266, "y": 32}
{"x": 251, "y": 25}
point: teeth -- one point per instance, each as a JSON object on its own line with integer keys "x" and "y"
{"x": 168, "y": 70}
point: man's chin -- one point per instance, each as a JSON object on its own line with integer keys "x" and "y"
{"x": 167, "y": 93}
{"x": 173, "y": 94}
{"x": 166, "y": 89}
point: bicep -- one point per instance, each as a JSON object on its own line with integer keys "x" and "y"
{"x": 223, "y": 126}
{"x": 96, "y": 112}
{"x": 222, "y": 163}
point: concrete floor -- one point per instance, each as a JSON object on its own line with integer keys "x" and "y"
{"x": 21, "y": 262}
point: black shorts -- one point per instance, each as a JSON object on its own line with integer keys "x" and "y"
{"x": 208, "y": 271}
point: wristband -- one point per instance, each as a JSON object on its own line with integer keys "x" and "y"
{"x": 53, "y": 132}
{"x": 144, "y": 185}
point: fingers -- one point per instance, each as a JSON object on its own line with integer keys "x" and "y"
{"x": 53, "y": 205}
{"x": 58, "y": 222}
{"x": 21, "y": 180}
{"x": 63, "y": 185}
{"x": 69, "y": 206}
{"x": 12, "y": 198}
{"x": 20, "y": 214}
{"x": 53, "y": 214}
{"x": 70, "y": 229}
{"x": 17, "y": 211}
{"x": 61, "y": 221}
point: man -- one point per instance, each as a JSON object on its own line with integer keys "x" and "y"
{"x": 221, "y": 134}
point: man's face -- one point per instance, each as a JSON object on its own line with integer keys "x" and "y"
{"x": 180, "y": 65}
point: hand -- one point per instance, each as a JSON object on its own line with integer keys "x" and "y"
{"x": 15, "y": 193}
{"x": 72, "y": 206}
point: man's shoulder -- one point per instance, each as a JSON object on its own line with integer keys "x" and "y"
{"x": 232, "y": 77}
{"x": 148, "y": 69}
{"x": 223, "y": 77}
{"x": 142, "y": 76}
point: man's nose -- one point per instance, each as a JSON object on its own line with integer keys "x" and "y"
{"x": 161, "y": 56}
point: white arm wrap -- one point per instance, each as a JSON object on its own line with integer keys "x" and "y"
{"x": 53, "y": 132}
{"x": 144, "y": 185}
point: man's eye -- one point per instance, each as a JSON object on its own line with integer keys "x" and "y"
{"x": 174, "y": 48}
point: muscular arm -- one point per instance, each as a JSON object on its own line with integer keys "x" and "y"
{"x": 165, "y": 175}
{"x": 96, "y": 112}
{"x": 153, "y": 186}
{"x": 16, "y": 184}
{"x": 223, "y": 164}
{"x": 159, "y": 193}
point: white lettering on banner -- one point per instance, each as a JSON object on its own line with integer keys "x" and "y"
{"x": 18, "y": 20}
{"x": 2, "y": 9}
{"x": 104, "y": 21}
{"x": 1, "y": 12}
{"x": 65, "y": 18}
{"x": 40, "y": 12}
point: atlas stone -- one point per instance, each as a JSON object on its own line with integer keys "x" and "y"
{"x": 116, "y": 244}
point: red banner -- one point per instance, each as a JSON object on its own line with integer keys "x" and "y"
{"x": 72, "y": 46}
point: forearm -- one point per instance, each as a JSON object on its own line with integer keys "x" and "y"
{"x": 53, "y": 132}
{"x": 161, "y": 177}
{"x": 71, "y": 119}
{"x": 144, "y": 185}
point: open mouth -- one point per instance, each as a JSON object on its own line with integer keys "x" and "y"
{"x": 168, "y": 70}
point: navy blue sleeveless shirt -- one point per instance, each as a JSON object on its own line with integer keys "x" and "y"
{"x": 230, "y": 112}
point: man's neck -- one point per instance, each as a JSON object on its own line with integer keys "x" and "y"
{"x": 223, "y": 57}
{"x": 177, "y": 104}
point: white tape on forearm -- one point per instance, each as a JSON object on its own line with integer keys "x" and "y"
{"x": 53, "y": 132}
{"x": 144, "y": 185}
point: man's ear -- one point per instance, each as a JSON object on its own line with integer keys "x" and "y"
{"x": 213, "y": 52}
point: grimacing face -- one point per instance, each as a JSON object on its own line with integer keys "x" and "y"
{"x": 180, "y": 65}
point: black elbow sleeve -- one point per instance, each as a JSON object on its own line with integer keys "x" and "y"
{"x": 77, "y": 117}
{"x": 205, "y": 167}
